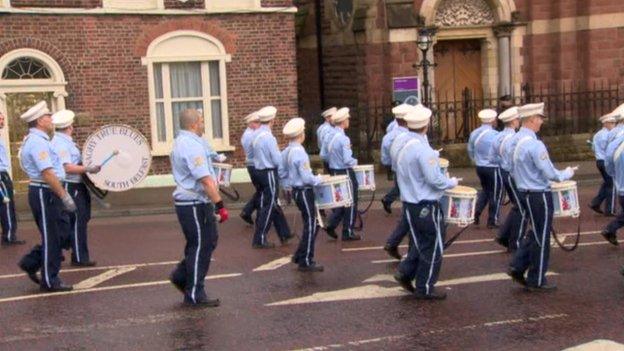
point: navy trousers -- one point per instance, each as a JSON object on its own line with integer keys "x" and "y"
{"x": 490, "y": 185}
{"x": 401, "y": 229}
{"x": 607, "y": 192}
{"x": 618, "y": 222}
{"x": 393, "y": 194}
{"x": 304, "y": 198}
{"x": 534, "y": 251}
{"x": 514, "y": 226}
{"x": 74, "y": 225}
{"x": 47, "y": 209}
{"x": 254, "y": 202}
{"x": 200, "y": 231}
{"x": 424, "y": 258}
{"x": 7, "y": 209}
{"x": 270, "y": 212}
{"x": 345, "y": 214}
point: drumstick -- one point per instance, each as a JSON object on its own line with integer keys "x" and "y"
{"x": 575, "y": 168}
{"x": 440, "y": 149}
{"x": 115, "y": 153}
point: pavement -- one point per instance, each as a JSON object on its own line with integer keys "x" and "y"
{"x": 126, "y": 302}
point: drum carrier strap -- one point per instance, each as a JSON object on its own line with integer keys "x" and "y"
{"x": 517, "y": 149}
{"x": 618, "y": 152}
{"x": 483, "y": 133}
{"x": 502, "y": 145}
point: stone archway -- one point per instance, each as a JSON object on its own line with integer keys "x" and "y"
{"x": 501, "y": 9}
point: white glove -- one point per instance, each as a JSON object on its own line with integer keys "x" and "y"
{"x": 221, "y": 158}
{"x": 94, "y": 169}
{"x": 68, "y": 203}
{"x": 569, "y": 172}
{"x": 454, "y": 181}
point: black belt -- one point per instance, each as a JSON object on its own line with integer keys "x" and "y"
{"x": 297, "y": 188}
{"x": 534, "y": 191}
{"x": 266, "y": 169}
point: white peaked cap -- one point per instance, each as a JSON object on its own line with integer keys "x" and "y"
{"x": 509, "y": 114}
{"x": 33, "y": 113}
{"x": 418, "y": 118}
{"x": 329, "y": 112}
{"x": 487, "y": 115}
{"x": 267, "y": 113}
{"x": 529, "y": 110}
{"x": 340, "y": 115}
{"x": 294, "y": 127}
{"x": 63, "y": 119}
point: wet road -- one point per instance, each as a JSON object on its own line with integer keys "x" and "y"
{"x": 127, "y": 303}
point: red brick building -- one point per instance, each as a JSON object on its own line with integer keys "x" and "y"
{"x": 139, "y": 62}
{"x": 491, "y": 47}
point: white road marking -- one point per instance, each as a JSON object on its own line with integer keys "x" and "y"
{"x": 273, "y": 265}
{"x": 463, "y": 254}
{"x": 100, "y": 278}
{"x": 470, "y": 327}
{"x": 466, "y": 280}
{"x": 598, "y": 345}
{"x": 107, "y": 288}
{"x": 375, "y": 291}
{"x": 102, "y": 268}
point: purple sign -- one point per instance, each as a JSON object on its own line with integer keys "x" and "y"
{"x": 405, "y": 84}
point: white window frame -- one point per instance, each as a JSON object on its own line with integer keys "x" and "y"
{"x": 55, "y": 84}
{"x": 155, "y": 56}
{"x": 134, "y": 4}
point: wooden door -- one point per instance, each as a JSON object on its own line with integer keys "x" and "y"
{"x": 458, "y": 81}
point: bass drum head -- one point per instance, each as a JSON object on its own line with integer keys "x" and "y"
{"x": 124, "y": 153}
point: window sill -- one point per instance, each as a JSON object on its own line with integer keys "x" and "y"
{"x": 217, "y": 148}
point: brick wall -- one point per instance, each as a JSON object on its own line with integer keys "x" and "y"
{"x": 57, "y": 3}
{"x": 101, "y": 59}
{"x": 190, "y": 4}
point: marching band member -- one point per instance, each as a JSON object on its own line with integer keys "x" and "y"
{"x": 322, "y": 130}
{"x": 296, "y": 175}
{"x": 8, "y": 221}
{"x": 399, "y": 112}
{"x": 253, "y": 123}
{"x": 197, "y": 203}
{"x": 533, "y": 171}
{"x": 400, "y": 109}
{"x": 612, "y": 167}
{"x": 606, "y": 193}
{"x": 512, "y": 230}
{"x": 267, "y": 159}
{"x": 47, "y": 198}
{"x": 480, "y": 152}
{"x": 402, "y": 228}
{"x": 422, "y": 185}
{"x": 341, "y": 162}
{"x": 74, "y": 224}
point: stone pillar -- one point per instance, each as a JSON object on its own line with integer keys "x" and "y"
{"x": 503, "y": 33}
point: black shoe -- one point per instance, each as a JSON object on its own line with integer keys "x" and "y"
{"x": 542, "y": 288}
{"x": 294, "y": 260}
{"x": 352, "y": 237}
{"x": 32, "y": 275}
{"x": 263, "y": 246}
{"x": 404, "y": 282}
{"x": 476, "y": 220}
{"x": 431, "y": 296}
{"x": 622, "y": 270}
{"x": 610, "y": 237}
{"x": 331, "y": 233}
{"x": 207, "y": 302}
{"x": 58, "y": 288}
{"x": 492, "y": 226}
{"x": 12, "y": 242}
{"x": 311, "y": 268}
{"x": 517, "y": 276}
{"x": 596, "y": 209}
{"x": 178, "y": 285}
{"x": 502, "y": 242}
{"x": 387, "y": 206}
{"x": 393, "y": 251}
{"x": 285, "y": 240}
{"x": 84, "y": 264}
{"x": 247, "y": 218}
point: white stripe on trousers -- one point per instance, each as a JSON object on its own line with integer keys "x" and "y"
{"x": 353, "y": 190}
{"x": 196, "y": 254}
{"x": 264, "y": 229}
{"x": 495, "y": 199}
{"x": 519, "y": 204}
{"x": 532, "y": 220}
{"x": 544, "y": 237}
{"x": 438, "y": 242}
{"x": 75, "y": 214}
{"x": 45, "y": 239}
{"x": 311, "y": 222}
{"x": 8, "y": 211}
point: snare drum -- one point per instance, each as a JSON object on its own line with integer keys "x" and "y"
{"x": 365, "y": 175}
{"x": 458, "y": 205}
{"x": 333, "y": 192}
{"x": 565, "y": 199}
{"x": 223, "y": 172}
{"x": 444, "y": 165}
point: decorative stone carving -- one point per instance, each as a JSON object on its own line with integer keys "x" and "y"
{"x": 455, "y": 13}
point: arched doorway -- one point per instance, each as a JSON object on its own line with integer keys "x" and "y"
{"x": 26, "y": 77}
